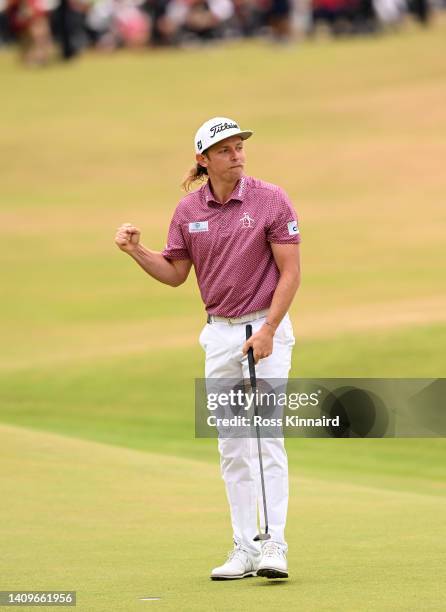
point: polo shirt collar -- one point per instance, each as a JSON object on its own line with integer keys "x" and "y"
{"x": 237, "y": 194}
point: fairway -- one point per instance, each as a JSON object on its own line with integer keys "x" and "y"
{"x": 104, "y": 489}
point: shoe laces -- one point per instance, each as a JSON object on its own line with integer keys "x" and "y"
{"x": 271, "y": 549}
{"x": 237, "y": 552}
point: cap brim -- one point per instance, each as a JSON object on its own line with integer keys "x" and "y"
{"x": 245, "y": 134}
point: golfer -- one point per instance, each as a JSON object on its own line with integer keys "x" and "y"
{"x": 242, "y": 237}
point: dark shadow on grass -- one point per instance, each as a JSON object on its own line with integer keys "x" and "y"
{"x": 257, "y": 581}
{"x": 273, "y": 582}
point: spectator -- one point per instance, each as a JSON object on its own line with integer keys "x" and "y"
{"x": 421, "y": 9}
{"x": 195, "y": 20}
{"x": 390, "y": 12}
{"x": 277, "y": 15}
{"x": 111, "y": 24}
{"x": 5, "y": 34}
{"x": 117, "y": 23}
{"x": 68, "y": 25}
{"x": 247, "y": 19}
{"x": 345, "y": 17}
{"x": 30, "y": 22}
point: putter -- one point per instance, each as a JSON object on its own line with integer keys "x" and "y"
{"x": 252, "y": 376}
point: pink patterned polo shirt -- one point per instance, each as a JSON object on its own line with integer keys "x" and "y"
{"x": 229, "y": 244}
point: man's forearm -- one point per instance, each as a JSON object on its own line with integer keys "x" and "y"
{"x": 157, "y": 266}
{"x": 283, "y": 296}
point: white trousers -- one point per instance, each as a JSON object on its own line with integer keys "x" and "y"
{"x": 239, "y": 460}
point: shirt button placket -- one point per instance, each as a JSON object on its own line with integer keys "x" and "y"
{"x": 224, "y": 220}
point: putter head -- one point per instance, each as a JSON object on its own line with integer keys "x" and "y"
{"x": 262, "y": 536}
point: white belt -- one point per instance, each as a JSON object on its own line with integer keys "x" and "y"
{"x": 252, "y": 316}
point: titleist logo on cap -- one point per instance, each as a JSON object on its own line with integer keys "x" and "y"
{"x": 220, "y": 127}
{"x": 216, "y": 129}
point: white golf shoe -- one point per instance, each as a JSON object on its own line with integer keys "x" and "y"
{"x": 273, "y": 563}
{"x": 239, "y": 565}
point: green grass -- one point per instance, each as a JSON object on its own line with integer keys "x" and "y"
{"x": 116, "y": 525}
{"x": 137, "y": 402}
{"x": 104, "y": 488}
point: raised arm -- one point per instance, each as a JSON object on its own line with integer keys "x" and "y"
{"x": 170, "y": 272}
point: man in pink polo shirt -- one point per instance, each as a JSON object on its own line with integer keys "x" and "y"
{"x": 242, "y": 237}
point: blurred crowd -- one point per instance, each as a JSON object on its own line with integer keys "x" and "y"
{"x": 44, "y": 29}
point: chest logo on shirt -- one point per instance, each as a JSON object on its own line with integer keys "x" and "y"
{"x": 246, "y": 220}
{"x": 198, "y": 226}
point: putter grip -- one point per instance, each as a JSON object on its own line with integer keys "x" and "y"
{"x": 251, "y": 364}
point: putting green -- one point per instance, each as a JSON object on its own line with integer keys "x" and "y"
{"x": 118, "y": 525}
{"x": 103, "y": 487}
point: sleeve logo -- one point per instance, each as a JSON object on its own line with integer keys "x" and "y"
{"x": 293, "y": 230}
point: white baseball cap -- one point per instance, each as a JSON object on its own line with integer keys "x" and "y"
{"x": 216, "y": 129}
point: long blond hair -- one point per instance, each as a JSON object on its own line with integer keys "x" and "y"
{"x": 195, "y": 174}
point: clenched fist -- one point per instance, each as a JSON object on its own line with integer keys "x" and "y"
{"x": 127, "y": 237}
